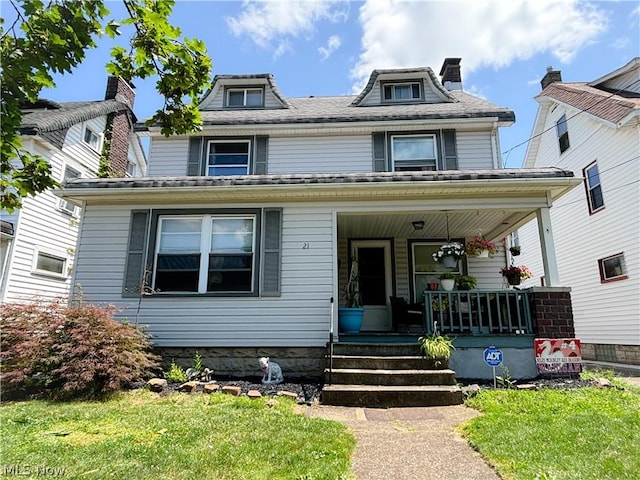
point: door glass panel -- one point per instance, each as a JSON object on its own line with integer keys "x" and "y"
{"x": 372, "y": 275}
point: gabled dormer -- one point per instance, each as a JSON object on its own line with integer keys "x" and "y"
{"x": 241, "y": 92}
{"x": 405, "y": 86}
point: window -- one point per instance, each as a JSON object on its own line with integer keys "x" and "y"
{"x": 612, "y": 268}
{"x": 399, "y": 92}
{"x": 414, "y": 152}
{"x": 244, "y": 97}
{"x": 92, "y": 139}
{"x": 424, "y": 269}
{"x": 593, "y": 187}
{"x": 228, "y": 158}
{"x": 131, "y": 169}
{"x": 205, "y": 253}
{"x": 67, "y": 206}
{"x": 50, "y": 264}
{"x": 563, "y": 133}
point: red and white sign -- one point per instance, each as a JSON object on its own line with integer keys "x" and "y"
{"x": 558, "y": 356}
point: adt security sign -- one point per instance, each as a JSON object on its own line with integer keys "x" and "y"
{"x": 492, "y": 356}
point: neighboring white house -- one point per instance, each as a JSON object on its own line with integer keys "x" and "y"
{"x": 39, "y": 240}
{"x": 242, "y": 234}
{"x": 593, "y": 129}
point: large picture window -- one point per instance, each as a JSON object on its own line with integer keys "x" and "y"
{"x": 424, "y": 270}
{"x": 228, "y": 157}
{"x": 594, "y": 189}
{"x": 205, "y": 253}
{"x": 413, "y": 152}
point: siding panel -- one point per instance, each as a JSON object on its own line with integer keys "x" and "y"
{"x": 168, "y": 157}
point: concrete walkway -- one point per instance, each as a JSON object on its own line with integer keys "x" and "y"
{"x": 409, "y": 443}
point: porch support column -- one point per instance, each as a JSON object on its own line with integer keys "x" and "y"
{"x": 552, "y": 278}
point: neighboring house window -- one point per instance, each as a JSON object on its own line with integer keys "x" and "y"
{"x": 205, "y": 253}
{"x": 228, "y": 158}
{"x": 413, "y": 152}
{"x": 399, "y": 92}
{"x": 594, "y": 189}
{"x": 612, "y": 268}
{"x": 245, "y": 97}
{"x": 424, "y": 270}
{"x": 563, "y": 133}
{"x": 69, "y": 206}
{"x": 92, "y": 139}
{"x": 131, "y": 169}
{"x": 47, "y": 263}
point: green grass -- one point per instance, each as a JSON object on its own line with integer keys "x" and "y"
{"x": 585, "y": 433}
{"x": 142, "y": 436}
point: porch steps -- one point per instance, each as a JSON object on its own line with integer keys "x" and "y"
{"x": 387, "y": 375}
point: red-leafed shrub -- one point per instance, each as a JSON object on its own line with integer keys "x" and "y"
{"x": 64, "y": 352}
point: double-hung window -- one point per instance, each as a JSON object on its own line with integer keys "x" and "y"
{"x": 92, "y": 139}
{"x": 400, "y": 92}
{"x": 594, "y": 188}
{"x": 228, "y": 157}
{"x": 68, "y": 206}
{"x": 205, "y": 254}
{"x": 244, "y": 97}
{"x": 424, "y": 269}
{"x": 563, "y": 133}
{"x": 413, "y": 152}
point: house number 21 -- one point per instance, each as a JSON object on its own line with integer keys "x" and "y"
{"x": 305, "y": 246}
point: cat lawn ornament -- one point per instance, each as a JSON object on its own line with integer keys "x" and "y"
{"x": 272, "y": 373}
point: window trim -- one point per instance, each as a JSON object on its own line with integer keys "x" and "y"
{"x": 98, "y": 147}
{"x": 398, "y": 83}
{"x": 603, "y": 276}
{"x": 62, "y": 203}
{"x": 565, "y": 126}
{"x": 414, "y": 135}
{"x": 209, "y": 141}
{"x": 245, "y": 90}
{"x": 411, "y": 243}
{"x": 588, "y": 188}
{"x": 153, "y": 244}
{"x": 38, "y": 251}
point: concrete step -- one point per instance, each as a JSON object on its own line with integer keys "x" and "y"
{"x": 376, "y": 349}
{"x": 359, "y": 376}
{"x": 391, "y": 396}
{"x": 402, "y": 362}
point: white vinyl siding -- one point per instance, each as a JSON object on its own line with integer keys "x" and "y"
{"x": 335, "y": 154}
{"x": 168, "y": 157}
{"x": 76, "y": 148}
{"x": 474, "y": 150}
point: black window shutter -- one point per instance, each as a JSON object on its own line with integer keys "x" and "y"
{"x": 260, "y": 164}
{"x": 272, "y": 253}
{"x": 195, "y": 154}
{"x": 379, "y": 153}
{"x": 450, "y": 151}
{"x": 134, "y": 268}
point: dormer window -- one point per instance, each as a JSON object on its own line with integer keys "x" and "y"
{"x": 245, "y": 97}
{"x": 401, "y": 92}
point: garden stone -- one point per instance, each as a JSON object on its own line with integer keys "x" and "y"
{"x": 601, "y": 383}
{"x": 157, "y": 384}
{"x": 254, "y": 394}
{"x": 211, "y": 388}
{"x": 188, "y": 387}
{"x": 526, "y": 386}
{"x": 471, "y": 390}
{"x": 284, "y": 393}
{"x": 231, "y": 390}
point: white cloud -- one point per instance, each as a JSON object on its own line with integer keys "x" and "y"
{"x": 333, "y": 44}
{"x": 621, "y": 43}
{"x": 270, "y": 24}
{"x": 484, "y": 33}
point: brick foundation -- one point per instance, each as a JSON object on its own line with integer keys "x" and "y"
{"x": 296, "y": 362}
{"x": 551, "y": 312}
{"x": 628, "y": 354}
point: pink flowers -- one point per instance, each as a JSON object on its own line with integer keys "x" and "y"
{"x": 478, "y": 244}
{"x": 521, "y": 271}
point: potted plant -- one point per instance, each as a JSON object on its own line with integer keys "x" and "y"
{"x": 466, "y": 282}
{"x": 481, "y": 248}
{"x": 437, "y": 347}
{"x": 515, "y": 250}
{"x": 440, "y": 305}
{"x": 350, "y": 316}
{"x": 448, "y": 281}
{"x": 515, "y": 274}
{"x": 449, "y": 254}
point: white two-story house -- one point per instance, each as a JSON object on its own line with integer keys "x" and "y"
{"x": 239, "y": 241}
{"x": 39, "y": 240}
{"x": 593, "y": 129}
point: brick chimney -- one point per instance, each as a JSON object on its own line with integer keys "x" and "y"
{"x": 550, "y": 77}
{"x": 121, "y": 125}
{"x": 450, "y": 73}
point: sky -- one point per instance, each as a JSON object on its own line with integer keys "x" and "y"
{"x": 330, "y": 47}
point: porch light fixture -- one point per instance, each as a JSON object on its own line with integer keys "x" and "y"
{"x": 418, "y": 224}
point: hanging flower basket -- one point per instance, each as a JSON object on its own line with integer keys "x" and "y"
{"x": 449, "y": 261}
{"x": 514, "y": 279}
{"x": 449, "y": 254}
{"x": 515, "y": 274}
{"x": 480, "y": 248}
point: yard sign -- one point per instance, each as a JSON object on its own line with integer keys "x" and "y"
{"x": 558, "y": 356}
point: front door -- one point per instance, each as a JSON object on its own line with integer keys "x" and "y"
{"x": 374, "y": 282}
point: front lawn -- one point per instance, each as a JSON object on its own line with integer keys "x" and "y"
{"x": 585, "y": 433}
{"x": 140, "y": 435}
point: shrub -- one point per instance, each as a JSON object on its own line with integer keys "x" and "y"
{"x": 64, "y": 352}
{"x": 175, "y": 374}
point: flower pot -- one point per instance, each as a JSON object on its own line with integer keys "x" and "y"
{"x": 447, "y": 284}
{"x": 514, "y": 279}
{"x": 483, "y": 254}
{"x": 350, "y": 319}
{"x": 449, "y": 261}
{"x": 433, "y": 286}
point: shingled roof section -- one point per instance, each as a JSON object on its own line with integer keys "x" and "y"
{"x": 608, "y": 106}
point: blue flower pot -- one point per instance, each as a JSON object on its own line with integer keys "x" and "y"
{"x": 350, "y": 319}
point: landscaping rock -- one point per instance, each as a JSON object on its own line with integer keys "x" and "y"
{"x": 157, "y": 384}
{"x": 254, "y": 394}
{"x": 471, "y": 390}
{"x": 188, "y": 387}
{"x": 526, "y": 386}
{"x": 211, "y": 388}
{"x": 285, "y": 393}
{"x": 601, "y": 383}
{"x": 231, "y": 390}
